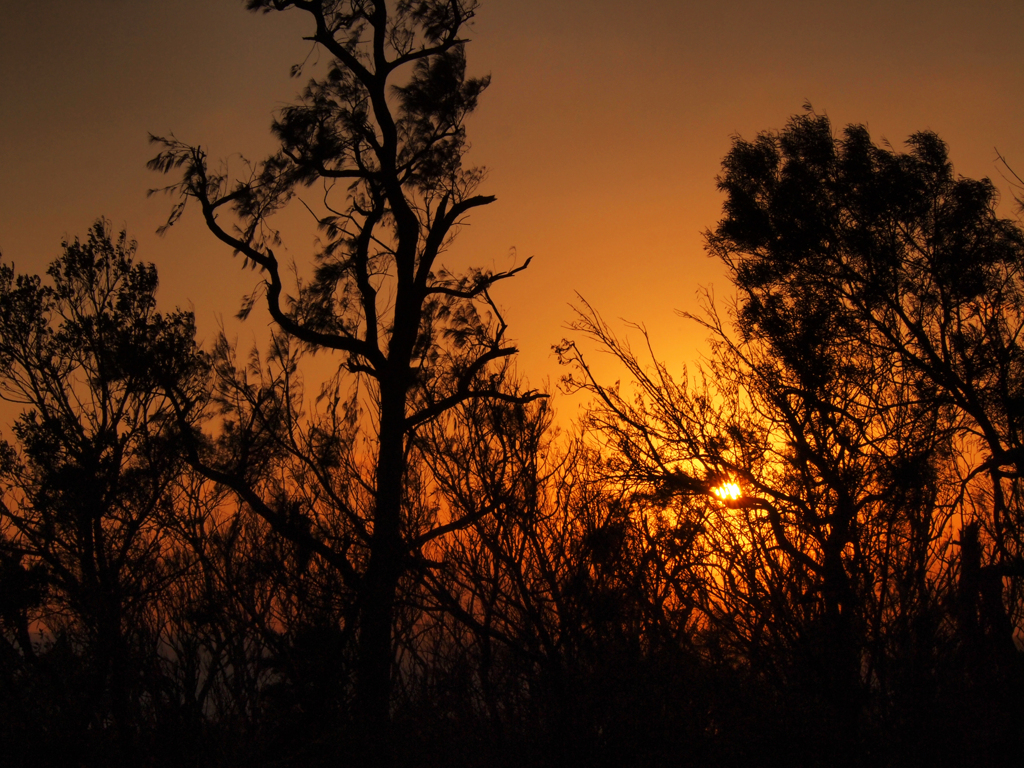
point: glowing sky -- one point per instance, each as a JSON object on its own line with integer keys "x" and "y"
{"x": 603, "y": 129}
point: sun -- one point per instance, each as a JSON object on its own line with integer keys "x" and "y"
{"x": 727, "y": 491}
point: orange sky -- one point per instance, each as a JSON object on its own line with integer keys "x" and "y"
{"x": 603, "y": 130}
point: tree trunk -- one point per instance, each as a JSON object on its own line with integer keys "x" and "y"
{"x": 377, "y": 609}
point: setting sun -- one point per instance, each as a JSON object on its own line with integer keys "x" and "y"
{"x": 728, "y": 491}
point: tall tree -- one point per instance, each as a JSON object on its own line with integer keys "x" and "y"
{"x": 865, "y": 405}
{"x": 88, "y": 486}
{"x": 913, "y": 263}
{"x": 383, "y": 132}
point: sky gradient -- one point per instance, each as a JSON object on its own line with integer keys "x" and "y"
{"x": 603, "y": 131}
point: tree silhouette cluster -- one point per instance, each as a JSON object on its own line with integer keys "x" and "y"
{"x": 206, "y": 560}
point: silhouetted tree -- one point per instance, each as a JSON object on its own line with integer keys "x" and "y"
{"x": 773, "y": 573}
{"x": 875, "y": 361}
{"x": 384, "y": 132}
{"x": 825, "y": 234}
{"x": 88, "y": 488}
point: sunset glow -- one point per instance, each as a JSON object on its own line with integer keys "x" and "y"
{"x": 418, "y": 438}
